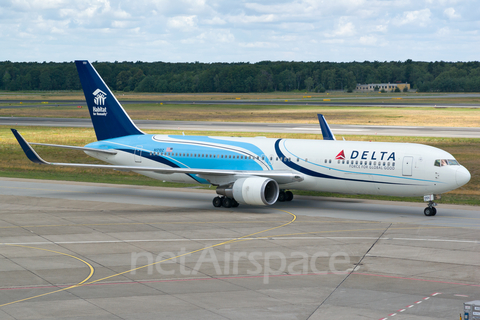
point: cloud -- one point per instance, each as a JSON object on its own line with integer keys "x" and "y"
{"x": 250, "y": 30}
{"x": 214, "y": 21}
{"x": 451, "y": 14}
{"x": 185, "y": 23}
{"x": 246, "y": 19}
{"x": 344, "y": 29}
{"x": 416, "y": 18}
{"x": 211, "y": 36}
{"x": 258, "y": 44}
{"x": 368, "y": 40}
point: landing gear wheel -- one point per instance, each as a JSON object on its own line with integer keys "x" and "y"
{"x": 288, "y": 196}
{"x": 217, "y": 202}
{"x": 235, "y": 203}
{"x": 281, "y": 196}
{"x": 227, "y": 202}
{"x": 430, "y": 211}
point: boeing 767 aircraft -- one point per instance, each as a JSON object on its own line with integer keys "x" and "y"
{"x": 260, "y": 171}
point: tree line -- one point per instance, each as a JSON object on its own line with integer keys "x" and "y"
{"x": 263, "y": 76}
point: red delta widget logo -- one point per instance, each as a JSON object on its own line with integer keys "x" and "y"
{"x": 340, "y": 156}
{"x": 367, "y": 155}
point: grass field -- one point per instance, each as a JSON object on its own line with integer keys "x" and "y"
{"x": 13, "y": 162}
{"x": 416, "y": 116}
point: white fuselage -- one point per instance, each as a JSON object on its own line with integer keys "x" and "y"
{"x": 353, "y": 167}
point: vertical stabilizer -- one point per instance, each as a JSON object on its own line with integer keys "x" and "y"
{"x": 326, "y": 132}
{"x": 108, "y": 116}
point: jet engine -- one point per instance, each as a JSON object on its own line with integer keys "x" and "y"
{"x": 253, "y": 191}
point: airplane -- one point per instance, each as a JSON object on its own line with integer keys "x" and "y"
{"x": 259, "y": 171}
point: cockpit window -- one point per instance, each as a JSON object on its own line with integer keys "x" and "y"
{"x": 446, "y": 162}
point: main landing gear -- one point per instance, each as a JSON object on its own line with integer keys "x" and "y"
{"x": 285, "y": 196}
{"x": 227, "y": 202}
{"x": 224, "y": 202}
{"x": 430, "y": 210}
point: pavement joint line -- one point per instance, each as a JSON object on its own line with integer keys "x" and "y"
{"x": 84, "y": 282}
{"x": 126, "y": 282}
{"x": 169, "y": 222}
{"x": 176, "y": 280}
{"x": 350, "y": 272}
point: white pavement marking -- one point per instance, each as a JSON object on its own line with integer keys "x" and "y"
{"x": 411, "y": 306}
{"x": 227, "y": 239}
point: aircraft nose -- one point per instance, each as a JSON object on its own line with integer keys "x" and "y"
{"x": 462, "y": 176}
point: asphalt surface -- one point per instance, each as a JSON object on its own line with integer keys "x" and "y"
{"x": 96, "y": 251}
{"x": 338, "y": 130}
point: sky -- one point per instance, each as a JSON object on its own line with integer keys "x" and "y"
{"x": 239, "y": 31}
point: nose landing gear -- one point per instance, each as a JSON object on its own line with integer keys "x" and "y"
{"x": 430, "y": 210}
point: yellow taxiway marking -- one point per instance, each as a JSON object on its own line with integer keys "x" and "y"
{"x": 92, "y": 270}
{"x": 84, "y": 282}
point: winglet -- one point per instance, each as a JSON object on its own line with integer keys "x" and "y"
{"x": 29, "y": 152}
{"x": 326, "y": 132}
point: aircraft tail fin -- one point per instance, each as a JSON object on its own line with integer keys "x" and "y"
{"x": 326, "y": 131}
{"x": 108, "y": 116}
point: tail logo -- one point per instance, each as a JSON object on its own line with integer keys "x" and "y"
{"x": 340, "y": 156}
{"x": 99, "y": 100}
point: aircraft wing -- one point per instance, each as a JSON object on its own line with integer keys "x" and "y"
{"x": 73, "y": 147}
{"x": 281, "y": 177}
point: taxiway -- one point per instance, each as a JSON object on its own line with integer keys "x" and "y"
{"x": 83, "y": 251}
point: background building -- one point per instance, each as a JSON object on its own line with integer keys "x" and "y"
{"x": 385, "y": 86}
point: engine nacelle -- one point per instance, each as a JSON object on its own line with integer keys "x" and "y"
{"x": 253, "y": 191}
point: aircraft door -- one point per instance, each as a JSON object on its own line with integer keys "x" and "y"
{"x": 407, "y": 166}
{"x": 138, "y": 154}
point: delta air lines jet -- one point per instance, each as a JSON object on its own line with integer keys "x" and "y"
{"x": 260, "y": 171}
